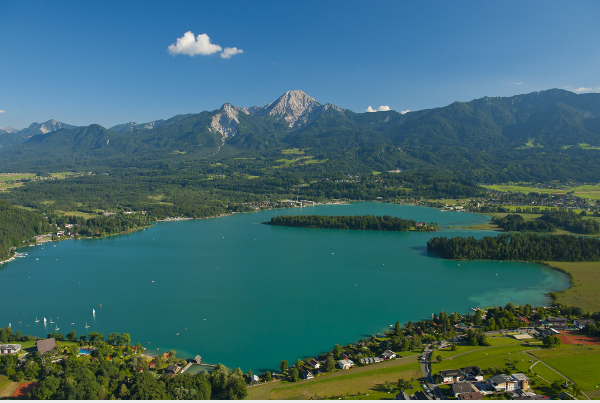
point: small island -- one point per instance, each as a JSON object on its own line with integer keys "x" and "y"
{"x": 356, "y": 222}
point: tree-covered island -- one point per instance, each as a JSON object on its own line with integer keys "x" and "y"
{"x": 357, "y": 222}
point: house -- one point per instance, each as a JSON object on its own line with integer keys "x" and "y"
{"x": 503, "y": 383}
{"x": 388, "y": 355}
{"x": 473, "y": 373}
{"x": 44, "y": 346}
{"x": 151, "y": 365}
{"x": 306, "y": 374}
{"x": 421, "y": 224}
{"x": 315, "y": 364}
{"x": 581, "y": 323}
{"x": 254, "y": 379}
{"x": 172, "y": 370}
{"x": 557, "y": 322}
{"x": 402, "y": 396}
{"x": 345, "y": 364}
{"x": 421, "y": 396}
{"x": 9, "y": 348}
{"x": 370, "y": 360}
{"x": 197, "y": 359}
{"x": 470, "y": 396}
{"x": 522, "y": 380}
{"x": 451, "y": 375}
{"x": 461, "y": 387}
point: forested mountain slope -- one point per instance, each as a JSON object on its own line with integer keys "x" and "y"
{"x": 552, "y": 134}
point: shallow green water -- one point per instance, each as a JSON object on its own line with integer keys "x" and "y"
{"x": 267, "y": 293}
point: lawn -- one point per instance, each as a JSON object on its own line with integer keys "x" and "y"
{"x": 585, "y": 285}
{"x": 366, "y": 380}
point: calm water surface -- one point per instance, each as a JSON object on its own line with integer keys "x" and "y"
{"x": 251, "y": 295}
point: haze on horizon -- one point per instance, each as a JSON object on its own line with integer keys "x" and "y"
{"x": 112, "y": 63}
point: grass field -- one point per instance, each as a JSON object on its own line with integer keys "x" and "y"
{"x": 292, "y": 151}
{"x": 6, "y": 186}
{"x": 578, "y": 363}
{"x": 12, "y": 177}
{"x": 586, "y": 191}
{"x": 366, "y": 380}
{"x": 585, "y": 285}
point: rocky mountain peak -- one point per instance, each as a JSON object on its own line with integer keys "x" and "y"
{"x": 290, "y": 106}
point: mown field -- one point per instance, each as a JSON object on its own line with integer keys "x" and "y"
{"x": 366, "y": 382}
{"x": 581, "y": 364}
{"x": 585, "y": 285}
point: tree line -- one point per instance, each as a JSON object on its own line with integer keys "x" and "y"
{"x": 549, "y": 222}
{"x": 16, "y": 225}
{"x": 561, "y": 248}
{"x": 357, "y": 222}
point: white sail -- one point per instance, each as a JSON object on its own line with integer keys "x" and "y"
{"x": 44, "y": 320}
{"x": 93, "y": 311}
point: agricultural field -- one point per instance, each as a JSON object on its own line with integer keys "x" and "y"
{"x": 293, "y": 151}
{"x": 585, "y": 285}
{"x": 366, "y": 382}
{"x": 15, "y": 176}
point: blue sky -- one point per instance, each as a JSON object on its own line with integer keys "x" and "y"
{"x": 107, "y": 62}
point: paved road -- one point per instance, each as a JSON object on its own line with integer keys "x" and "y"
{"x": 426, "y": 370}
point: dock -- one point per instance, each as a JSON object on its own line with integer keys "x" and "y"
{"x": 187, "y": 366}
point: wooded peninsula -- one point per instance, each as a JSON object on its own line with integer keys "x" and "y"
{"x": 357, "y": 222}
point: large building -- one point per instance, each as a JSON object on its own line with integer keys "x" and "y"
{"x": 9, "y": 348}
{"x": 44, "y": 346}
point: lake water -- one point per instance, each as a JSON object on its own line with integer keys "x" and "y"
{"x": 250, "y": 295}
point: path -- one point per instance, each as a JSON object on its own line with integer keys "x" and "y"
{"x": 554, "y": 371}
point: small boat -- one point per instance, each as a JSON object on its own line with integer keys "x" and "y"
{"x": 57, "y": 329}
{"x": 93, "y": 311}
{"x": 36, "y": 319}
{"x": 203, "y": 319}
{"x": 44, "y": 320}
{"x": 51, "y": 321}
{"x": 86, "y": 325}
{"x": 72, "y": 323}
{"x": 176, "y": 334}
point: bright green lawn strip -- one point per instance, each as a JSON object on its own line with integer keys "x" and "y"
{"x": 292, "y": 151}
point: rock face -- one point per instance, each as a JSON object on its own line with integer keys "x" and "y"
{"x": 46, "y": 127}
{"x": 293, "y": 106}
{"x": 131, "y": 126}
{"x": 8, "y": 129}
{"x": 226, "y": 121}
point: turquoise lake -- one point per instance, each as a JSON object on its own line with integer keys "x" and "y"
{"x": 251, "y": 295}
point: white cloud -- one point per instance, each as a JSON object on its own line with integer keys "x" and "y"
{"x": 382, "y": 108}
{"x": 228, "y": 52}
{"x": 188, "y": 45}
{"x": 1, "y": 111}
{"x": 519, "y": 83}
{"x": 405, "y": 112}
{"x": 583, "y": 89}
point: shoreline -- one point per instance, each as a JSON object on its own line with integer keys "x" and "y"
{"x": 383, "y": 327}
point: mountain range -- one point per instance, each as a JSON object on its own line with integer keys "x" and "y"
{"x": 529, "y": 136}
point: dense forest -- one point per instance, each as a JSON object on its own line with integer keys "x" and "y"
{"x": 114, "y": 371}
{"x": 561, "y": 248}
{"x": 16, "y": 225}
{"x": 358, "y": 222}
{"x": 549, "y": 222}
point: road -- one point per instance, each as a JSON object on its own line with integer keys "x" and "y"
{"x": 426, "y": 371}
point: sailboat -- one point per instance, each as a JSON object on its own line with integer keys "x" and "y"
{"x": 93, "y": 311}
{"x": 51, "y": 320}
{"x": 86, "y": 325}
{"x": 44, "y": 320}
{"x": 36, "y": 320}
{"x": 57, "y": 329}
